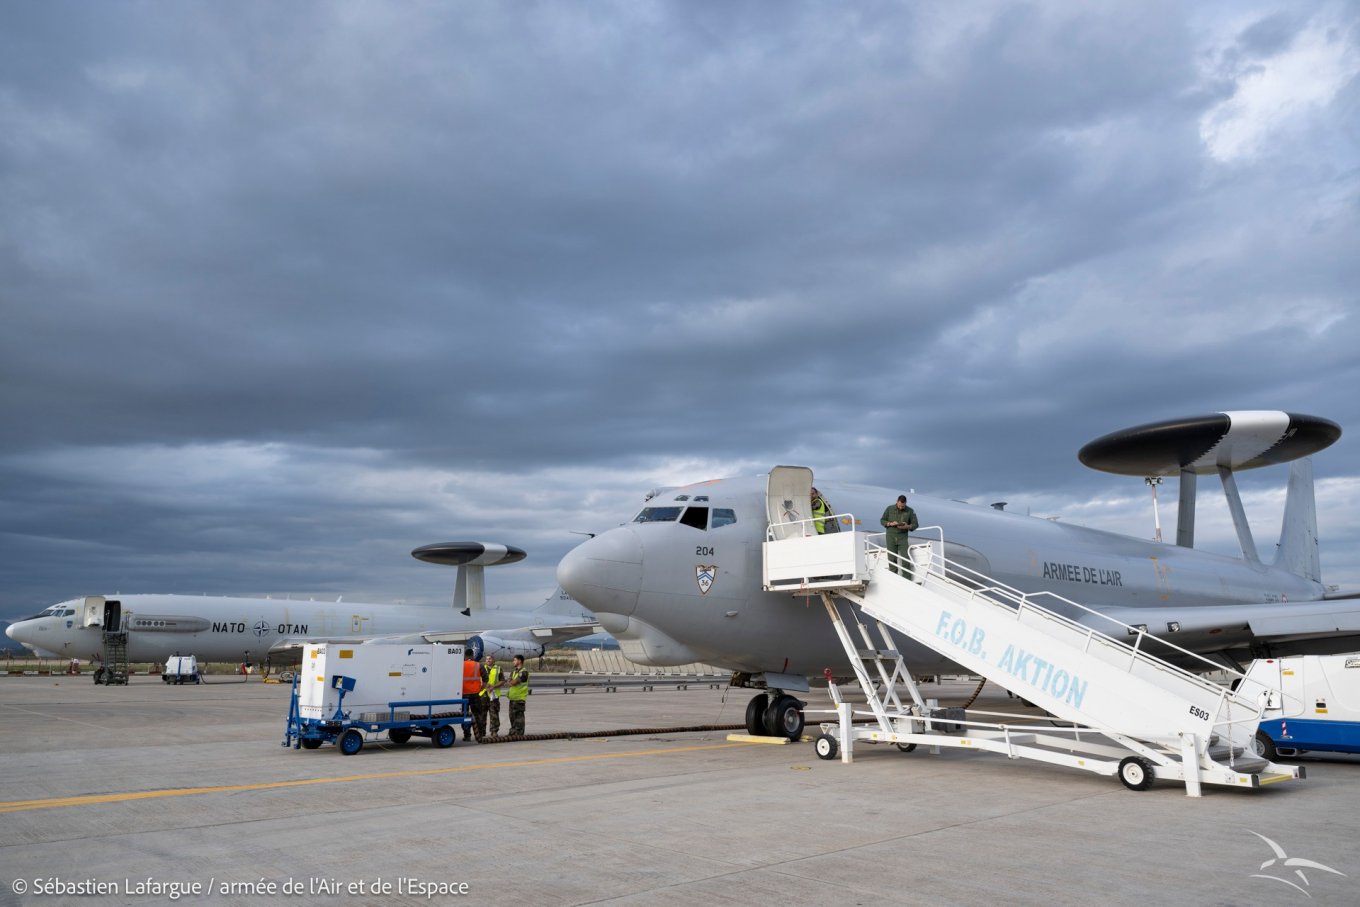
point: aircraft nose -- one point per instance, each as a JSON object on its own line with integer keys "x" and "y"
{"x": 604, "y": 573}
{"x": 9, "y": 631}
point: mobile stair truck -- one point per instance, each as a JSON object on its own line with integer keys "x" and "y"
{"x": 1131, "y": 714}
{"x": 1317, "y": 706}
{"x": 343, "y": 693}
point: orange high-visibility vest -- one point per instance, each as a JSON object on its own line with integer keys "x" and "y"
{"x": 472, "y": 678}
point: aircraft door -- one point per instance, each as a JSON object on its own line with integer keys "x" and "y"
{"x": 113, "y": 616}
{"x": 788, "y": 501}
{"x": 92, "y": 611}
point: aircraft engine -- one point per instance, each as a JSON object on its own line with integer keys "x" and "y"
{"x": 503, "y": 648}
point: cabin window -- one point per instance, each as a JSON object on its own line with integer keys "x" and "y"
{"x": 658, "y": 515}
{"x": 723, "y": 516}
{"x": 696, "y": 517}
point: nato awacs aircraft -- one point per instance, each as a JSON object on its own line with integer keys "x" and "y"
{"x": 683, "y": 581}
{"x": 272, "y": 629}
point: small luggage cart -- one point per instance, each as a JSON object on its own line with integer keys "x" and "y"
{"x": 401, "y": 721}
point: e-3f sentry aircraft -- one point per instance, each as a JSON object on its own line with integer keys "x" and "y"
{"x": 263, "y": 629}
{"x": 683, "y": 581}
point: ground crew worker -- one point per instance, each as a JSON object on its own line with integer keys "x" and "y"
{"x": 517, "y": 693}
{"x": 821, "y": 509}
{"x": 491, "y": 694}
{"x": 472, "y": 692}
{"x": 899, "y": 519}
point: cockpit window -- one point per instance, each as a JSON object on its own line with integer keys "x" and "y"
{"x": 696, "y": 517}
{"x": 658, "y": 515}
{"x": 723, "y": 516}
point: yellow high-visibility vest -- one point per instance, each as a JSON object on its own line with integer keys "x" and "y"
{"x": 519, "y": 686}
{"x": 493, "y": 676}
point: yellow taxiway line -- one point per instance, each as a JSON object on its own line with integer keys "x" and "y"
{"x": 14, "y": 806}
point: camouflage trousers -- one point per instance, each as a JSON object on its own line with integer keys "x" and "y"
{"x": 493, "y": 716}
{"x": 517, "y": 717}
{"x": 477, "y": 710}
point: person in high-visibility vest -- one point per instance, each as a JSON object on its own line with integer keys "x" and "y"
{"x": 820, "y": 510}
{"x": 492, "y": 681}
{"x": 472, "y": 692}
{"x": 517, "y": 693}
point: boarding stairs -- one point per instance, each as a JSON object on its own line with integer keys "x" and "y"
{"x": 1132, "y": 714}
{"x": 115, "y": 664}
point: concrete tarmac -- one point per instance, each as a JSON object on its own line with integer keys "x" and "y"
{"x": 156, "y": 794}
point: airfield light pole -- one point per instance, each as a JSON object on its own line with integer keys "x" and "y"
{"x": 1153, "y": 482}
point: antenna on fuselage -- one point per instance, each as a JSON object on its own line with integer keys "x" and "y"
{"x": 1223, "y": 443}
{"x": 469, "y": 590}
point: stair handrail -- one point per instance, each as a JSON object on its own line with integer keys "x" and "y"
{"x": 940, "y": 567}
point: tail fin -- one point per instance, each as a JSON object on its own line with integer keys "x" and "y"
{"x": 1298, "y": 548}
{"x": 559, "y": 602}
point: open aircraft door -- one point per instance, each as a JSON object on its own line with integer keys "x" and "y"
{"x": 788, "y": 501}
{"x": 92, "y": 611}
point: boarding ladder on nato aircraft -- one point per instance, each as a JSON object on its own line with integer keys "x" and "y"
{"x": 1134, "y": 715}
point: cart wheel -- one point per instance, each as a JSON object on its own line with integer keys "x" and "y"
{"x": 399, "y": 735}
{"x": 1135, "y": 773}
{"x": 826, "y": 746}
{"x": 351, "y": 741}
{"x": 906, "y": 747}
{"x": 1264, "y": 747}
{"x": 444, "y": 736}
{"x": 310, "y": 743}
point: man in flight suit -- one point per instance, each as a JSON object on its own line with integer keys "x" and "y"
{"x": 899, "y": 519}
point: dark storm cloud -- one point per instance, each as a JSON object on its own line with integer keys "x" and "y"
{"x": 371, "y": 248}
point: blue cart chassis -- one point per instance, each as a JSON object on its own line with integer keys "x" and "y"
{"x": 348, "y": 733}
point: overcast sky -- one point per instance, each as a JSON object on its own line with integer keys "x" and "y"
{"x": 291, "y": 289}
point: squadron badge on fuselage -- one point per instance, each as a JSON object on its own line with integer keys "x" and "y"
{"x": 704, "y": 574}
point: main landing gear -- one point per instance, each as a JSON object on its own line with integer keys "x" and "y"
{"x": 776, "y": 714}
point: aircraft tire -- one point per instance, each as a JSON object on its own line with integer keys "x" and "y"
{"x": 399, "y": 735}
{"x": 784, "y": 718}
{"x": 826, "y": 747}
{"x": 755, "y": 715}
{"x": 1135, "y": 773}
{"x": 1264, "y": 747}
{"x": 351, "y": 741}
{"x": 444, "y": 736}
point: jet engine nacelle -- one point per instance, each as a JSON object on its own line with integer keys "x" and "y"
{"x": 503, "y": 648}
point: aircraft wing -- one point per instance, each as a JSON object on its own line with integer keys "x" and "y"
{"x": 546, "y": 636}
{"x": 1285, "y": 628}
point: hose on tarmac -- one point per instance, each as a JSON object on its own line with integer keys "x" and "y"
{"x": 621, "y": 732}
{"x": 976, "y": 693}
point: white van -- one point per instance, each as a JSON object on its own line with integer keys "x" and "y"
{"x": 1318, "y": 707}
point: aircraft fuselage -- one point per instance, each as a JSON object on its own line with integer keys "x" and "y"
{"x": 245, "y": 629}
{"x": 687, "y": 589}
